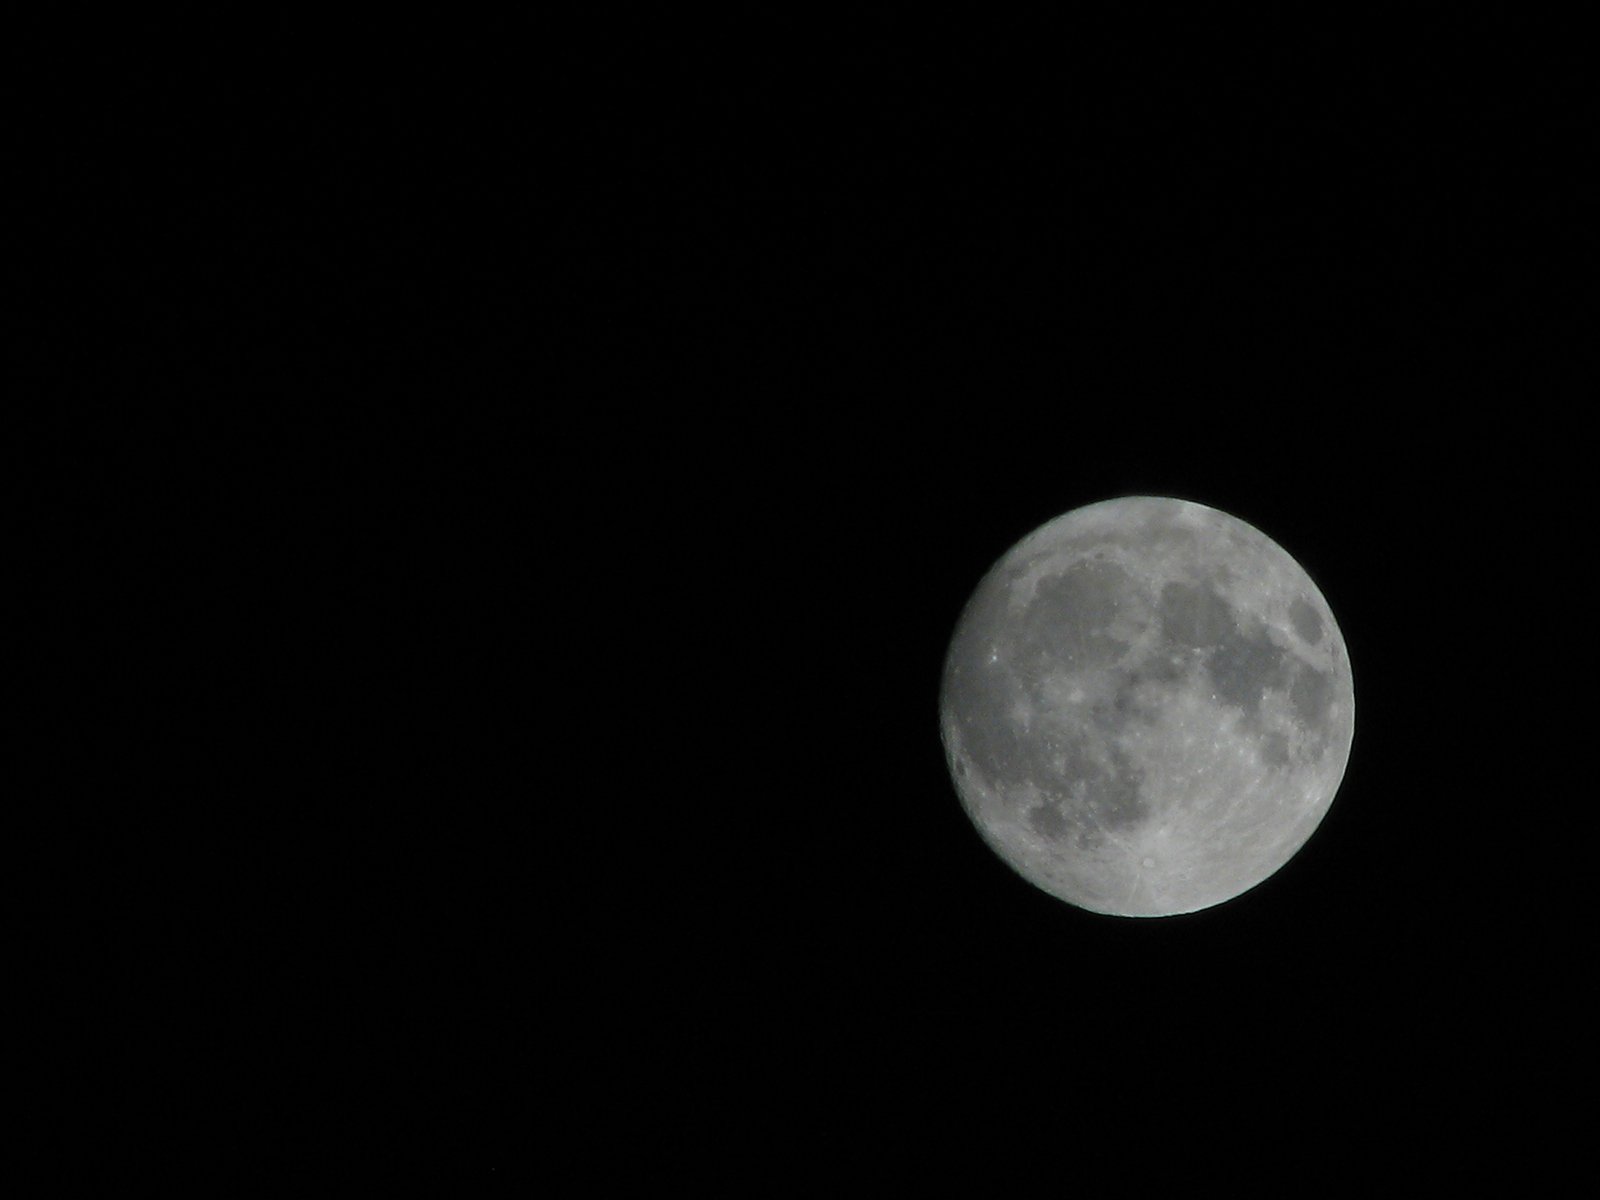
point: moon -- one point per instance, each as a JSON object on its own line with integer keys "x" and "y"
{"x": 1147, "y": 707}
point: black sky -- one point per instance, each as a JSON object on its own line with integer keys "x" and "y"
{"x": 883, "y": 317}
{"x": 556, "y": 487}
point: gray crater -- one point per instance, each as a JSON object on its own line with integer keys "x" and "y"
{"x": 1312, "y": 696}
{"x": 1243, "y": 667}
{"x": 1194, "y": 616}
{"x": 1066, "y": 623}
{"x": 1306, "y": 620}
{"x": 1047, "y": 821}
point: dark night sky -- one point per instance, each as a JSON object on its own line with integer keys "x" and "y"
{"x": 908, "y": 319}
{"x": 555, "y": 491}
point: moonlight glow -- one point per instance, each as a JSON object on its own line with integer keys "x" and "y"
{"x": 1147, "y": 707}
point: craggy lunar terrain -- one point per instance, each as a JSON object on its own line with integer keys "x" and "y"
{"x": 1147, "y": 707}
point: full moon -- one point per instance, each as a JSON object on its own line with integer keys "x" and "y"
{"x": 1146, "y": 707}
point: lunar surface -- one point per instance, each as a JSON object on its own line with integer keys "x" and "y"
{"x": 1147, "y": 707}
